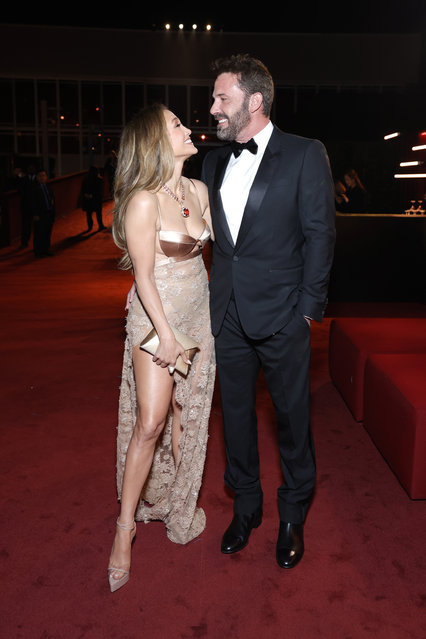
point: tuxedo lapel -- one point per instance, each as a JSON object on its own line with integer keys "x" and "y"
{"x": 259, "y": 187}
{"x": 217, "y": 199}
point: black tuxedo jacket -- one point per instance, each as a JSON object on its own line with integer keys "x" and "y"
{"x": 282, "y": 258}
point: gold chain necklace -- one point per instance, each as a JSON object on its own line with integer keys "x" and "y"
{"x": 184, "y": 211}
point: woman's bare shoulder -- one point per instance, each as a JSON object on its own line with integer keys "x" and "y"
{"x": 142, "y": 206}
{"x": 198, "y": 185}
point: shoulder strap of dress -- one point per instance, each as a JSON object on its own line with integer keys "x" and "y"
{"x": 159, "y": 211}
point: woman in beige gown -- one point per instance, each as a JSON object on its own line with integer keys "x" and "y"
{"x": 161, "y": 223}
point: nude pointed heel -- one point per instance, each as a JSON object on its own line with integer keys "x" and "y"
{"x": 115, "y": 584}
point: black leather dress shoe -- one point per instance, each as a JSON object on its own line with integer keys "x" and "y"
{"x": 290, "y": 546}
{"x": 237, "y": 535}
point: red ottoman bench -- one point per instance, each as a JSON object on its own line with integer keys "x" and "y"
{"x": 395, "y": 415}
{"x": 352, "y": 340}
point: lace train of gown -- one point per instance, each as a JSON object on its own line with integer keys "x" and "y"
{"x": 170, "y": 493}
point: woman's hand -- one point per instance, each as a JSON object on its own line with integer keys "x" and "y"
{"x": 168, "y": 351}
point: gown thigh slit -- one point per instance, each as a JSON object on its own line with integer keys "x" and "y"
{"x": 171, "y": 490}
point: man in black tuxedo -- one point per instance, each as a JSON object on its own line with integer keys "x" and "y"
{"x": 273, "y": 218}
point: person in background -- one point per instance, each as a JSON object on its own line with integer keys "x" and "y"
{"x": 355, "y": 192}
{"x": 340, "y": 196}
{"x": 27, "y": 188}
{"x": 92, "y": 192}
{"x": 43, "y": 207}
{"x": 109, "y": 170}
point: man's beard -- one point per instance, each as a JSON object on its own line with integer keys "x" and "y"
{"x": 236, "y": 123}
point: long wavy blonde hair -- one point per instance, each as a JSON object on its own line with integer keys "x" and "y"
{"x": 145, "y": 162}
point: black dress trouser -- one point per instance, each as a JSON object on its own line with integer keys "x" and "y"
{"x": 285, "y": 359}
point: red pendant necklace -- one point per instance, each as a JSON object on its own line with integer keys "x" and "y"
{"x": 183, "y": 210}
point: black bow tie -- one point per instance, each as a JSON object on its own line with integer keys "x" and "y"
{"x": 238, "y": 147}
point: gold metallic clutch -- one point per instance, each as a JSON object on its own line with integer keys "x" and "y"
{"x": 151, "y": 343}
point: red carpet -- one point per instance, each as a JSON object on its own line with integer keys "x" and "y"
{"x": 364, "y": 570}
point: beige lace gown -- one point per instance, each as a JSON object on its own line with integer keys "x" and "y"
{"x": 171, "y": 491}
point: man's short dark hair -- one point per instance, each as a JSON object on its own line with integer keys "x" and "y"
{"x": 253, "y": 76}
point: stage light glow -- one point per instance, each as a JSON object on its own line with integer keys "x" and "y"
{"x": 195, "y": 27}
{"x": 208, "y": 27}
{"x": 181, "y": 26}
{"x": 410, "y": 175}
{"x": 413, "y": 163}
{"x": 392, "y": 135}
{"x": 419, "y": 147}
{"x": 167, "y": 26}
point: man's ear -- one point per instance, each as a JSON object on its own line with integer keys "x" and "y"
{"x": 256, "y": 102}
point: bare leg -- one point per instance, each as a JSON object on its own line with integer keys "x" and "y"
{"x": 154, "y": 387}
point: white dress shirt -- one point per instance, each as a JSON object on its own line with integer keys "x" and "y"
{"x": 238, "y": 179}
